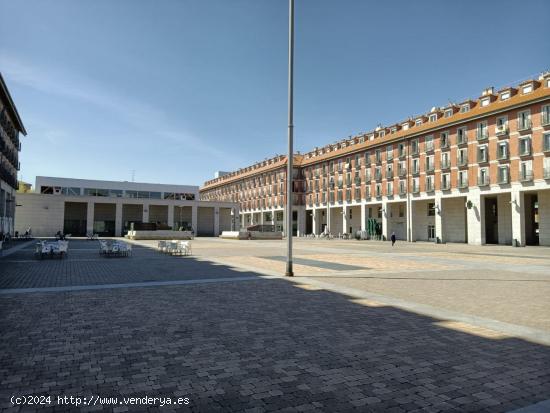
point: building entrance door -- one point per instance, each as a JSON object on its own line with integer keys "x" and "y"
{"x": 491, "y": 221}
{"x": 531, "y": 219}
{"x": 309, "y": 222}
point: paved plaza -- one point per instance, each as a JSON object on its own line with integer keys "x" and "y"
{"x": 361, "y": 327}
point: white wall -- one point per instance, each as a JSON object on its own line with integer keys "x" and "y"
{"x": 504, "y": 210}
{"x": 336, "y": 221}
{"x": 421, "y": 220}
{"x": 454, "y": 219}
{"x": 44, "y": 214}
{"x": 544, "y": 217}
{"x": 395, "y": 223}
{"x": 355, "y": 221}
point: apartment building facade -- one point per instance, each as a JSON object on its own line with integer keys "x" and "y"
{"x": 476, "y": 172}
{"x": 10, "y": 146}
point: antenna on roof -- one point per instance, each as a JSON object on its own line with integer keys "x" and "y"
{"x": 133, "y": 175}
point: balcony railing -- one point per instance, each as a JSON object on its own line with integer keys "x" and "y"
{"x": 524, "y": 124}
{"x": 429, "y": 146}
{"x": 462, "y": 161}
{"x": 430, "y": 168}
{"x": 483, "y": 180}
{"x": 389, "y": 174}
{"x": 445, "y": 185}
{"x": 462, "y": 183}
{"x": 402, "y": 190}
{"x": 403, "y": 172}
{"x": 445, "y": 164}
{"x": 526, "y": 176}
{"x": 429, "y": 186}
{"x": 503, "y": 177}
{"x": 482, "y": 134}
{"x": 501, "y": 130}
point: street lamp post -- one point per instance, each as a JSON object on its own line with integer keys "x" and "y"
{"x": 290, "y": 156}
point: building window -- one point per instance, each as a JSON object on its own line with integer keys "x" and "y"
{"x": 429, "y": 183}
{"x": 378, "y": 155}
{"x": 389, "y": 189}
{"x": 444, "y": 140}
{"x": 482, "y": 153}
{"x": 546, "y": 142}
{"x": 462, "y": 179}
{"x": 461, "y": 136}
{"x": 545, "y": 115}
{"x": 501, "y": 126}
{"x": 389, "y": 171}
{"x": 367, "y": 174}
{"x": 445, "y": 160}
{"x": 430, "y": 163}
{"x": 378, "y": 190}
{"x": 381, "y": 134}
{"x": 378, "y": 173}
{"x": 416, "y": 185}
{"x": 526, "y": 171}
{"x": 502, "y": 150}
{"x": 525, "y": 146}
{"x": 485, "y": 102}
{"x": 483, "y": 177}
{"x": 357, "y": 193}
{"x": 405, "y": 126}
{"x": 465, "y": 108}
{"x": 418, "y": 122}
{"x": 431, "y": 232}
{"x": 448, "y": 113}
{"x": 414, "y": 147}
{"x": 462, "y": 157}
{"x": 389, "y": 153}
{"x": 524, "y": 120}
{"x": 429, "y": 143}
{"x": 401, "y": 150}
{"x": 433, "y": 117}
{"x": 415, "y": 166}
{"x": 527, "y": 88}
{"x": 431, "y": 209}
{"x": 402, "y": 187}
{"x": 503, "y": 174}
{"x": 546, "y": 168}
{"x": 505, "y": 95}
{"x": 445, "y": 182}
{"x": 482, "y": 131}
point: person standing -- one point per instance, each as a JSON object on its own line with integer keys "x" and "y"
{"x": 393, "y": 239}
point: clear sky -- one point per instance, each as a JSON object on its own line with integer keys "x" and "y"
{"x": 176, "y": 90}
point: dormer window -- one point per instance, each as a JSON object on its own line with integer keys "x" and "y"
{"x": 393, "y": 130}
{"x": 405, "y": 126}
{"x": 505, "y": 95}
{"x": 527, "y": 88}
{"x": 418, "y": 122}
{"x": 465, "y": 108}
{"x": 381, "y": 134}
{"x": 448, "y": 113}
{"x": 371, "y": 137}
{"x": 485, "y": 102}
{"x": 433, "y": 117}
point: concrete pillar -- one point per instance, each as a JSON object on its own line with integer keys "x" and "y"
{"x": 171, "y": 216}
{"x": 118, "y": 219}
{"x": 301, "y": 221}
{"x": 145, "y": 213}
{"x": 345, "y": 220}
{"x": 363, "y": 217}
{"x": 518, "y": 217}
{"x": 438, "y": 221}
{"x": 194, "y": 211}
{"x": 410, "y": 233}
{"x": 216, "y": 221}
{"x": 475, "y": 216}
{"x": 314, "y": 218}
{"x": 262, "y": 217}
{"x": 385, "y": 216}
{"x": 328, "y": 220}
{"x": 90, "y": 218}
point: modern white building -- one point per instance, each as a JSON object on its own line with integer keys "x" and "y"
{"x": 108, "y": 208}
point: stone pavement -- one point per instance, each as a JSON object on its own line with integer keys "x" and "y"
{"x": 252, "y": 344}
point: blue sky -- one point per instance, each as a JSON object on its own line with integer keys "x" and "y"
{"x": 176, "y": 90}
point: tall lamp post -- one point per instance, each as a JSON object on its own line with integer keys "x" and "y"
{"x": 290, "y": 156}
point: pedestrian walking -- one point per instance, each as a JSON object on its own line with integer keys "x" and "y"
{"x": 393, "y": 239}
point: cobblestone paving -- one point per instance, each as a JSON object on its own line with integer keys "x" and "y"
{"x": 267, "y": 345}
{"x": 258, "y": 346}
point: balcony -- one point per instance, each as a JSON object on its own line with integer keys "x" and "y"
{"x": 503, "y": 177}
{"x": 445, "y": 185}
{"x": 402, "y": 190}
{"x": 524, "y": 124}
{"x": 526, "y": 176}
{"x": 402, "y": 154}
{"x": 430, "y": 168}
{"x": 416, "y": 189}
{"x": 429, "y": 146}
{"x": 462, "y": 161}
{"x": 378, "y": 176}
{"x": 461, "y": 140}
{"x": 482, "y": 157}
{"x": 462, "y": 183}
{"x": 357, "y": 181}
{"x": 389, "y": 174}
{"x": 445, "y": 164}
{"x": 482, "y": 134}
{"x": 483, "y": 180}
{"x": 501, "y": 130}
{"x": 429, "y": 186}
{"x": 416, "y": 171}
{"x": 402, "y": 172}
